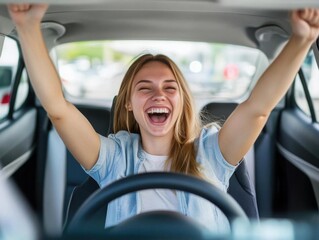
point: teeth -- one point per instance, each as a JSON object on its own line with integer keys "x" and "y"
{"x": 157, "y": 110}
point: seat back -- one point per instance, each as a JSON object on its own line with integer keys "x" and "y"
{"x": 81, "y": 192}
{"x": 241, "y": 184}
{"x": 62, "y": 172}
{"x": 217, "y": 112}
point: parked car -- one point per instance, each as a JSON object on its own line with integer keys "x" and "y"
{"x": 8, "y": 68}
{"x": 280, "y": 190}
{"x": 5, "y": 88}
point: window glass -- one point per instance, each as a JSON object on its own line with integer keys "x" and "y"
{"x": 300, "y": 97}
{"x": 8, "y": 67}
{"x": 23, "y": 90}
{"x": 311, "y": 72}
{"x": 94, "y": 70}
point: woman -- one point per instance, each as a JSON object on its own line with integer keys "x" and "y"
{"x": 156, "y": 128}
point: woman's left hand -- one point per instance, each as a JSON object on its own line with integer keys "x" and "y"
{"x": 305, "y": 24}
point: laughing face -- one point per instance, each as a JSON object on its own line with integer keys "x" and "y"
{"x": 155, "y": 100}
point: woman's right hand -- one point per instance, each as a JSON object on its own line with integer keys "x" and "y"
{"x": 305, "y": 24}
{"x": 27, "y": 14}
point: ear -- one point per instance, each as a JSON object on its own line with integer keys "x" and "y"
{"x": 128, "y": 107}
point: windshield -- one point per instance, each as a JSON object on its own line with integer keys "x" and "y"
{"x": 95, "y": 69}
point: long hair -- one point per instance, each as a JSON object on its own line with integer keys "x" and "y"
{"x": 187, "y": 127}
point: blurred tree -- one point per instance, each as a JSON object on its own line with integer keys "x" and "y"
{"x": 92, "y": 50}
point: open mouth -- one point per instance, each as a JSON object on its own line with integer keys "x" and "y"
{"x": 158, "y": 115}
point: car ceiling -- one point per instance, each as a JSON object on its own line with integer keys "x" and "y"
{"x": 193, "y": 20}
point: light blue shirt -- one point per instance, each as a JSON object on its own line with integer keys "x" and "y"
{"x": 121, "y": 155}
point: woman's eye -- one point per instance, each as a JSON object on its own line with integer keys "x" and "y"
{"x": 171, "y": 89}
{"x": 144, "y": 89}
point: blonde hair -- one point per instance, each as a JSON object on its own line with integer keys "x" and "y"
{"x": 187, "y": 127}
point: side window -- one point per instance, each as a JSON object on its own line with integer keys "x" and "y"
{"x": 23, "y": 90}
{"x": 9, "y": 59}
{"x": 311, "y": 73}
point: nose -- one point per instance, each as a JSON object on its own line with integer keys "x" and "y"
{"x": 158, "y": 95}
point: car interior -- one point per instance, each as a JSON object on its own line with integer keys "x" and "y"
{"x": 277, "y": 179}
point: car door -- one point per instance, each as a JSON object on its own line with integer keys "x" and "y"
{"x": 18, "y": 117}
{"x": 297, "y": 189}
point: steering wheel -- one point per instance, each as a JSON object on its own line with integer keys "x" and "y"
{"x": 144, "y": 225}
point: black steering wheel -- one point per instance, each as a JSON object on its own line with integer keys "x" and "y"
{"x": 144, "y": 225}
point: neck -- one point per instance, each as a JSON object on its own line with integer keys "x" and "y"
{"x": 160, "y": 146}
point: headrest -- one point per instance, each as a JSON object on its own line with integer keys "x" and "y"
{"x": 217, "y": 111}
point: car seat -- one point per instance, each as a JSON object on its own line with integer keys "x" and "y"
{"x": 60, "y": 172}
{"x": 242, "y": 183}
{"x": 240, "y": 187}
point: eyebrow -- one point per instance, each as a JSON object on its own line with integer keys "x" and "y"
{"x": 149, "y": 81}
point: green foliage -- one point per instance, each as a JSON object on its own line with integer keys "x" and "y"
{"x": 73, "y": 51}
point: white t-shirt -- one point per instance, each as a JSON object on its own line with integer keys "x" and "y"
{"x": 156, "y": 199}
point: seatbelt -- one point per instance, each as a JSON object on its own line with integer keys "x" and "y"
{"x": 42, "y": 136}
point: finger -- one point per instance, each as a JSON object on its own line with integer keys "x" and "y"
{"x": 19, "y": 7}
{"x": 310, "y": 14}
{"x": 23, "y": 7}
{"x": 315, "y": 18}
{"x": 13, "y": 7}
{"x": 296, "y": 15}
{"x": 303, "y": 13}
{"x": 26, "y": 7}
{"x": 312, "y": 17}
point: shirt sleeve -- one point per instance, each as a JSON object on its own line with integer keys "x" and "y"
{"x": 210, "y": 150}
{"x": 102, "y": 169}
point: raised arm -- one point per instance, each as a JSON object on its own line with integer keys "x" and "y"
{"x": 242, "y": 128}
{"x": 75, "y": 130}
